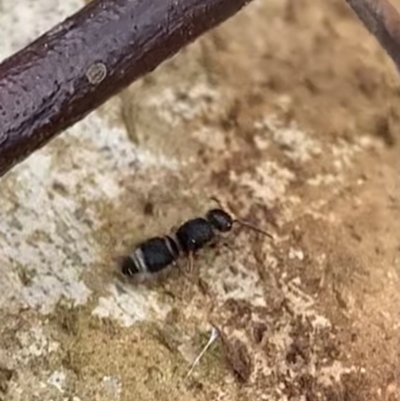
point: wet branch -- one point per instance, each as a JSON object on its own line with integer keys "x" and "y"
{"x": 382, "y": 20}
{"x": 75, "y": 67}
{"x": 72, "y": 69}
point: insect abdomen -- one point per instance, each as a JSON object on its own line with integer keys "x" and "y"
{"x": 158, "y": 253}
{"x": 129, "y": 266}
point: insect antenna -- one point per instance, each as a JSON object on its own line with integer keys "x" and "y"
{"x": 253, "y": 227}
{"x": 242, "y": 222}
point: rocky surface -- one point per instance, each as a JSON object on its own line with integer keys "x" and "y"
{"x": 289, "y": 114}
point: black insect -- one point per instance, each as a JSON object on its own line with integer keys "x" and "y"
{"x": 158, "y": 253}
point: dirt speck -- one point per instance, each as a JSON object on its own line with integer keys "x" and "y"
{"x": 5, "y": 376}
{"x": 238, "y": 359}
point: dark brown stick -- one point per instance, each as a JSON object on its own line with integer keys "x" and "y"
{"x": 78, "y": 65}
{"x": 383, "y": 21}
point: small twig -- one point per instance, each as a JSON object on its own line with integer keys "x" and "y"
{"x": 75, "y": 67}
{"x": 382, "y": 20}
